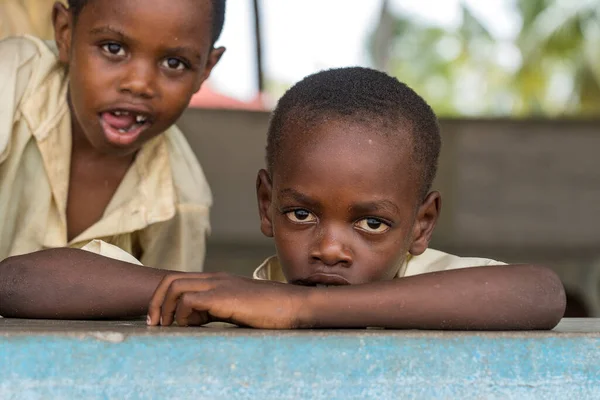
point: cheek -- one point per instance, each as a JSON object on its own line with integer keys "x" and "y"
{"x": 176, "y": 94}
{"x": 88, "y": 80}
{"x": 79, "y": 93}
{"x": 292, "y": 249}
{"x": 380, "y": 261}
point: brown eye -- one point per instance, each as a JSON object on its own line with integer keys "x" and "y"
{"x": 301, "y": 216}
{"x": 372, "y": 225}
{"x": 174, "y": 63}
{"x": 114, "y": 49}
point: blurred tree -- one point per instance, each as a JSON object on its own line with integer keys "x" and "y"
{"x": 560, "y": 44}
{"x": 551, "y": 68}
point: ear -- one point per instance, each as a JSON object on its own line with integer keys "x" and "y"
{"x": 264, "y": 188}
{"x": 213, "y": 58}
{"x": 62, "y": 20}
{"x": 427, "y": 217}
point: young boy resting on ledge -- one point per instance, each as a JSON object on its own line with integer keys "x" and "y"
{"x": 351, "y": 156}
{"x": 88, "y": 146}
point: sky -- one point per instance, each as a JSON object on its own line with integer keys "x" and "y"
{"x": 301, "y": 37}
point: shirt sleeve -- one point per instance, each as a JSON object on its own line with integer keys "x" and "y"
{"x": 433, "y": 261}
{"x": 111, "y": 251}
{"x": 17, "y": 56}
{"x": 178, "y": 244}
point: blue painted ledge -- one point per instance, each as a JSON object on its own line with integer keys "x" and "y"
{"x": 126, "y": 360}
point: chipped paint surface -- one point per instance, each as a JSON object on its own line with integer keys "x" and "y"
{"x": 240, "y": 364}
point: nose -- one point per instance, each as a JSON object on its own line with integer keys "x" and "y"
{"x": 139, "y": 80}
{"x": 331, "y": 247}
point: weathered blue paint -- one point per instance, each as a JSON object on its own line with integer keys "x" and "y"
{"x": 120, "y": 363}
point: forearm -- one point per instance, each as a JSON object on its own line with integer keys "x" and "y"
{"x": 485, "y": 298}
{"x": 74, "y": 284}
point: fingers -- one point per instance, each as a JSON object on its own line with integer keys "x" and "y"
{"x": 164, "y": 301}
{"x": 191, "y": 310}
{"x": 198, "y": 318}
{"x": 158, "y": 297}
{"x": 179, "y": 290}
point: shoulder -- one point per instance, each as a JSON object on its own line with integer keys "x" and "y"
{"x": 189, "y": 180}
{"x": 25, "y": 64}
{"x": 21, "y": 47}
{"x": 434, "y": 260}
{"x": 20, "y": 51}
{"x": 19, "y": 57}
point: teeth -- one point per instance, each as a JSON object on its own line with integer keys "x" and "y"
{"x": 140, "y": 119}
{"x": 123, "y": 130}
{"x": 119, "y": 113}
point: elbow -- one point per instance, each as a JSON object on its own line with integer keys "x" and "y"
{"x": 11, "y": 279}
{"x": 559, "y": 305}
{"x": 19, "y": 283}
{"x": 10, "y": 269}
{"x": 550, "y": 298}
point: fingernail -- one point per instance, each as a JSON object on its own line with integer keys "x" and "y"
{"x": 148, "y": 320}
{"x": 161, "y": 320}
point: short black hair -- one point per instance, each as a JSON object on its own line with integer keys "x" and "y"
{"x": 218, "y": 17}
{"x": 364, "y": 96}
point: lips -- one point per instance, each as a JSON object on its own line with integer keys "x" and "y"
{"x": 323, "y": 279}
{"x": 123, "y": 126}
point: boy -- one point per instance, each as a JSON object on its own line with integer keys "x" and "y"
{"x": 351, "y": 157}
{"x": 88, "y": 149}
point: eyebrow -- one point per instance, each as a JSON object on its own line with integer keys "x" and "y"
{"x": 299, "y": 197}
{"x": 184, "y": 49}
{"x": 108, "y": 29}
{"x": 171, "y": 50}
{"x": 359, "y": 208}
{"x": 375, "y": 206}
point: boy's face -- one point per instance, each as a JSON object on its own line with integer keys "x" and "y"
{"x": 343, "y": 205}
{"x": 133, "y": 66}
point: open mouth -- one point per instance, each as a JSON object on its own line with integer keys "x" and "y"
{"x": 123, "y": 127}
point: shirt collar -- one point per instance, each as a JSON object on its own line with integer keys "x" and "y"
{"x": 270, "y": 270}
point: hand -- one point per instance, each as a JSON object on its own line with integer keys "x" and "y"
{"x": 197, "y": 299}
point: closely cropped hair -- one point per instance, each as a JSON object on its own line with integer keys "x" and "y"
{"x": 365, "y": 96}
{"x": 218, "y": 17}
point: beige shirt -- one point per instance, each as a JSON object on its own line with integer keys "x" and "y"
{"x": 159, "y": 213}
{"x": 430, "y": 261}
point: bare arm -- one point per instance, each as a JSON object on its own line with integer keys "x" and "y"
{"x": 484, "y": 298}
{"x": 74, "y": 284}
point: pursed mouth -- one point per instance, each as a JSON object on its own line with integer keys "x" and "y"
{"x": 322, "y": 280}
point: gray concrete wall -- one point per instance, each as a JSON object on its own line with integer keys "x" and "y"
{"x": 520, "y": 191}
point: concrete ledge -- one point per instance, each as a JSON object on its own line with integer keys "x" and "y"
{"x": 126, "y": 360}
